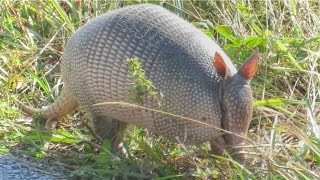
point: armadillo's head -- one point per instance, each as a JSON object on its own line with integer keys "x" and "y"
{"x": 236, "y": 100}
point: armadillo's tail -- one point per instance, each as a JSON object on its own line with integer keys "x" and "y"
{"x": 63, "y": 105}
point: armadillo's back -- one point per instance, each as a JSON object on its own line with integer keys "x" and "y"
{"x": 176, "y": 57}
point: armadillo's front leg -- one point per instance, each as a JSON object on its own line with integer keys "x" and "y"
{"x": 218, "y": 146}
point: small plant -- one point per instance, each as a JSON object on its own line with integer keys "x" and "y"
{"x": 141, "y": 86}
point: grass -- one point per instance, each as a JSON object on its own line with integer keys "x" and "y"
{"x": 284, "y": 133}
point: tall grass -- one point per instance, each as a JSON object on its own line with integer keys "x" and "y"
{"x": 284, "y": 134}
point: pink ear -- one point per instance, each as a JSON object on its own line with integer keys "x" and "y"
{"x": 219, "y": 65}
{"x": 250, "y": 67}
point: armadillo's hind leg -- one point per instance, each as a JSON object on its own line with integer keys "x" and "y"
{"x": 63, "y": 105}
{"x": 111, "y": 129}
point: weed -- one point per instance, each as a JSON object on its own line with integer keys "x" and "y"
{"x": 141, "y": 85}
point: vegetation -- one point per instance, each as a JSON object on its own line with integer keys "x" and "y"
{"x": 284, "y": 134}
{"x": 141, "y": 86}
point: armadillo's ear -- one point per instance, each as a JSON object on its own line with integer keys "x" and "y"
{"x": 220, "y": 66}
{"x": 250, "y": 67}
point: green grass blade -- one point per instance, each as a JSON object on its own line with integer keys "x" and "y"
{"x": 63, "y": 15}
{"x": 43, "y": 83}
{"x": 278, "y": 102}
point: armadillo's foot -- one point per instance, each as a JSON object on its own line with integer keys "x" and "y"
{"x": 218, "y": 146}
{"x": 51, "y": 124}
{"x": 121, "y": 149}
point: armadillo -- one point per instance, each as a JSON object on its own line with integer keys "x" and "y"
{"x": 196, "y": 78}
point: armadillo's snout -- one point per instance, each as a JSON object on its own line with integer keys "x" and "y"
{"x": 237, "y": 138}
{"x": 232, "y": 143}
{"x": 237, "y": 116}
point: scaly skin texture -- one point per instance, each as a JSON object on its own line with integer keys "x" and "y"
{"x": 177, "y": 57}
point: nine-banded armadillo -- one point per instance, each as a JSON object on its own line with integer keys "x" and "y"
{"x": 194, "y": 75}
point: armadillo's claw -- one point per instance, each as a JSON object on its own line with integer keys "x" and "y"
{"x": 218, "y": 146}
{"x": 51, "y": 124}
{"x": 121, "y": 148}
